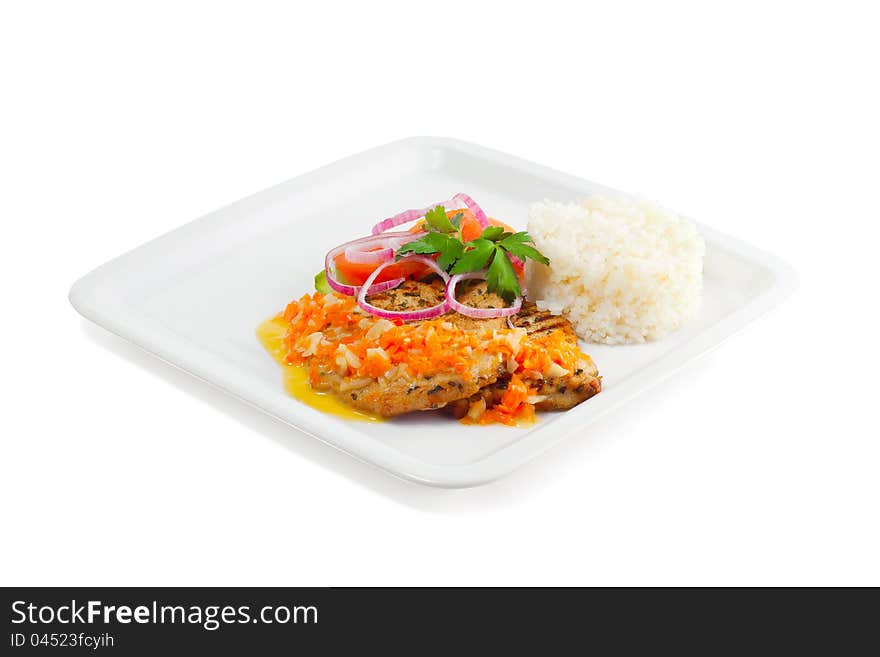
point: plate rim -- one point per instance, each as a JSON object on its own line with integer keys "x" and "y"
{"x": 173, "y": 349}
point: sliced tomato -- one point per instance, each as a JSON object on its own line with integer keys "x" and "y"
{"x": 354, "y": 273}
{"x": 471, "y": 229}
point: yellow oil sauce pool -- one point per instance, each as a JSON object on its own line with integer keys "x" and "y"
{"x": 296, "y": 378}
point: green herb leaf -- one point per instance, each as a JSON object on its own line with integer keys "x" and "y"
{"x": 476, "y": 258}
{"x": 321, "y": 284}
{"x": 430, "y": 243}
{"x": 450, "y": 253}
{"x": 501, "y": 277}
{"x": 516, "y": 244}
{"x": 447, "y": 246}
{"x": 521, "y": 236}
{"x": 456, "y": 220}
{"x": 420, "y": 247}
{"x": 437, "y": 220}
{"x": 492, "y": 233}
{"x": 526, "y": 251}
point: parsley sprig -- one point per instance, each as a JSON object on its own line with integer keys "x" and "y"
{"x": 491, "y": 249}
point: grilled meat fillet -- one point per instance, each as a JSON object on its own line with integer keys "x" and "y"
{"x": 569, "y": 389}
{"x": 391, "y": 396}
{"x": 402, "y": 393}
{"x": 554, "y": 393}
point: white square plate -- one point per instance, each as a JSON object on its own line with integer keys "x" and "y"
{"x": 195, "y": 296}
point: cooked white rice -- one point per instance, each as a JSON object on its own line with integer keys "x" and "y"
{"x": 621, "y": 271}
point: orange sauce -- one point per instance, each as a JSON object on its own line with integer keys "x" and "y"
{"x": 296, "y": 379}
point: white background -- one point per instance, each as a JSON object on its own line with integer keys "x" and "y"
{"x": 755, "y": 465}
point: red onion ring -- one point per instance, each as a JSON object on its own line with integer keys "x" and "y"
{"x": 470, "y": 311}
{"x": 471, "y": 205}
{"x": 405, "y": 217}
{"x": 406, "y": 315}
{"x": 352, "y": 290}
{"x": 386, "y": 243}
{"x": 411, "y": 215}
{"x": 352, "y": 254}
